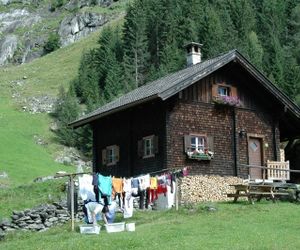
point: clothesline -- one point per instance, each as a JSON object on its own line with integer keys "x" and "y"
{"x": 168, "y": 170}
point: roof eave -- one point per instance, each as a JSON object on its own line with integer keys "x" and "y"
{"x": 89, "y": 119}
{"x": 278, "y": 93}
{"x": 215, "y": 66}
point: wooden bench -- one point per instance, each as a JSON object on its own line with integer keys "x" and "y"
{"x": 257, "y": 191}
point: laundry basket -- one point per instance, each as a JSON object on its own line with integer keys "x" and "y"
{"x": 130, "y": 227}
{"x": 89, "y": 229}
{"x": 115, "y": 227}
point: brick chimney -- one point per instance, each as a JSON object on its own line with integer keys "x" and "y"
{"x": 193, "y": 55}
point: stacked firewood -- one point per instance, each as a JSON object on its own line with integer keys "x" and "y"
{"x": 202, "y": 188}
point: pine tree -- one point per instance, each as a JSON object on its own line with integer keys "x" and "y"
{"x": 66, "y": 110}
{"x": 255, "y": 50}
{"x": 211, "y": 33}
{"x": 136, "y": 54}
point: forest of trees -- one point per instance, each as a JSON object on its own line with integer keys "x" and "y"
{"x": 150, "y": 45}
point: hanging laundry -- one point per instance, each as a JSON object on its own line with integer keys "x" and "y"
{"x": 128, "y": 199}
{"x": 117, "y": 184}
{"x": 86, "y": 189}
{"x": 135, "y": 186}
{"x": 95, "y": 184}
{"x": 127, "y": 185}
{"x": 152, "y": 191}
{"x": 105, "y": 188}
{"x": 153, "y": 183}
{"x": 117, "y": 191}
{"x": 185, "y": 171}
{"x": 144, "y": 182}
{"x": 162, "y": 184}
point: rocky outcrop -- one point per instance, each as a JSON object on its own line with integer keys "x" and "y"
{"x": 18, "y": 18}
{"x": 8, "y": 46}
{"x": 71, "y": 156}
{"x": 39, "y": 104}
{"x": 9, "y": 23}
{"x": 73, "y": 28}
{"x": 77, "y": 4}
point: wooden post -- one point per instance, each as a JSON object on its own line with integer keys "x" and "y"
{"x": 176, "y": 195}
{"x": 72, "y": 201}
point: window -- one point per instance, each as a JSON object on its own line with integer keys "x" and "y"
{"x": 196, "y": 143}
{"x": 223, "y": 91}
{"x": 110, "y": 155}
{"x": 148, "y": 146}
{"x": 198, "y": 147}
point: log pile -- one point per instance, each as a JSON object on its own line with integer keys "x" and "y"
{"x": 201, "y": 188}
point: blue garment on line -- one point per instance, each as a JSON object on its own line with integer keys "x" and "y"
{"x": 105, "y": 187}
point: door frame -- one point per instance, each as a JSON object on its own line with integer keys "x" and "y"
{"x": 261, "y": 138}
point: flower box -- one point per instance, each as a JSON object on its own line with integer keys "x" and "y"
{"x": 231, "y": 101}
{"x": 200, "y": 156}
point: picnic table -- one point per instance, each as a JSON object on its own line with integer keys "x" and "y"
{"x": 253, "y": 190}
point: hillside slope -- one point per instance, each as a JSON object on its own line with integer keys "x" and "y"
{"x": 20, "y": 155}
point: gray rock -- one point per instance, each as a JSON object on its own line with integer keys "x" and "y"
{"x": 35, "y": 227}
{"x": 53, "y": 219}
{"x": 44, "y": 216}
{"x": 2, "y": 234}
{"x": 72, "y": 28}
{"x": 38, "y": 222}
{"x": 48, "y": 224}
{"x": 27, "y": 211}
{"x": 34, "y": 216}
{"x": 5, "y": 223}
{"x": 39, "y": 104}
{"x": 3, "y": 175}
{"x": 14, "y": 217}
{"x": 30, "y": 221}
{"x": 19, "y": 213}
{"x": 24, "y": 218}
{"x": 8, "y": 46}
{"x": 10, "y": 229}
{"x": 62, "y": 212}
{"x": 22, "y": 224}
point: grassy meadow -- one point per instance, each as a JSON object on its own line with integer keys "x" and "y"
{"x": 20, "y": 156}
{"x": 233, "y": 226}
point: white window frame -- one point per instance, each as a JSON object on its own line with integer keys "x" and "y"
{"x": 111, "y": 160}
{"x": 148, "y": 150}
{"x": 223, "y": 90}
{"x": 199, "y": 143}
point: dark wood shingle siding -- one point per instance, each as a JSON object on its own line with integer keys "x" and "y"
{"x": 125, "y": 129}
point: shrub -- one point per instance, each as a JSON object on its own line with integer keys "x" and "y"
{"x": 52, "y": 44}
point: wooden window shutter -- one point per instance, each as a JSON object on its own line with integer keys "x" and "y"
{"x": 187, "y": 143}
{"x": 214, "y": 92}
{"x": 210, "y": 143}
{"x": 155, "y": 144}
{"x": 233, "y": 91}
{"x": 104, "y": 156}
{"x": 140, "y": 148}
{"x": 117, "y": 152}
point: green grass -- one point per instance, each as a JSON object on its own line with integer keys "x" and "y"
{"x": 233, "y": 226}
{"x": 20, "y": 157}
{"x": 28, "y": 196}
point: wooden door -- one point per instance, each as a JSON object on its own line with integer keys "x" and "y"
{"x": 255, "y": 157}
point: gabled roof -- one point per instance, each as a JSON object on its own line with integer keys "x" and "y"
{"x": 171, "y": 84}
